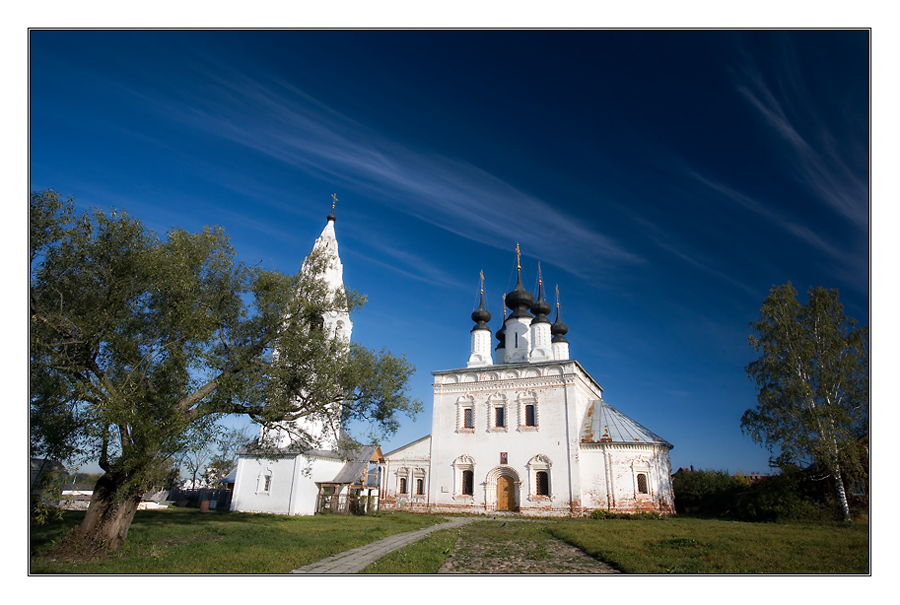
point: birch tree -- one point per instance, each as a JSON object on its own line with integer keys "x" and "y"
{"x": 812, "y": 380}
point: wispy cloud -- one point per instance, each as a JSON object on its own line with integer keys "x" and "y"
{"x": 815, "y": 160}
{"x": 283, "y": 122}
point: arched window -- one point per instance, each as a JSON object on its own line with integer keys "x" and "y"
{"x": 420, "y": 487}
{"x": 542, "y": 481}
{"x": 468, "y": 483}
{"x": 528, "y": 411}
{"x": 402, "y": 485}
{"x": 465, "y": 414}
{"x": 642, "y": 483}
{"x": 539, "y": 468}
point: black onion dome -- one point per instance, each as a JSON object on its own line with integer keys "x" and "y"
{"x": 520, "y": 299}
{"x": 540, "y": 308}
{"x": 481, "y": 315}
{"x": 501, "y": 336}
{"x": 331, "y": 217}
{"x": 558, "y": 329}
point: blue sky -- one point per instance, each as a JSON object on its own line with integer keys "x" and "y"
{"x": 665, "y": 180}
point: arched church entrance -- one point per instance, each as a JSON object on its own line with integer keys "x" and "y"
{"x": 503, "y": 483}
{"x": 506, "y": 499}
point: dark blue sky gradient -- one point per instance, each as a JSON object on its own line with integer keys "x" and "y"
{"x": 664, "y": 179}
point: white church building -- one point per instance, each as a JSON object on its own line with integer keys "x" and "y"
{"x": 528, "y": 432}
{"x": 303, "y": 481}
{"x": 522, "y": 429}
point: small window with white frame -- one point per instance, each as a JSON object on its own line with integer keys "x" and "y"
{"x": 641, "y": 469}
{"x": 465, "y": 406}
{"x": 498, "y": 413}
{"x": 539, "y": 487}
{"x": 464, "y": 478}
{"x": 527, "y": 404}
{"x": 264, "y": 482}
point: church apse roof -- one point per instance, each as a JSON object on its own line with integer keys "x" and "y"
{"x": 605, "y": 424}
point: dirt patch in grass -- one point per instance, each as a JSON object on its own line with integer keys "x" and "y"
{"x": 517, "y": 546}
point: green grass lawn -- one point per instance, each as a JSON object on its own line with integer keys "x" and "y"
{"x": 185, "y": 541}
{"x": 691, "y": 546}
{"x": 680, "y": 545}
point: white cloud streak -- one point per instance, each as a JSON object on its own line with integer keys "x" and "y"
{"x": 281, "y": 121}
{"x": 818, "y": 164}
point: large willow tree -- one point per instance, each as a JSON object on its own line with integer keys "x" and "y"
{"x": 136, "y": 340}
{"x": 813, "y": 385}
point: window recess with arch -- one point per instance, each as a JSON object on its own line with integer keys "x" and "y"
{"x": 264, "y": 482}
{"x": 539, "y": 478}
{"x": 417, "y": 486}
{"x": 465, "y": 414}
{"x": 641, "y": 473}
{"x": 527, "y": 404}
{"x": 464, "y": 478}
{"x": 403, "y": 481}
{"x": 498, "y": 414}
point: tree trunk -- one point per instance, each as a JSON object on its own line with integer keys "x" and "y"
{"x": 842, "y": 496}
{"x": 108, "y": 517}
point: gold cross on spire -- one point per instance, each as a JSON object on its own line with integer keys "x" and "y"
{"x": 504, "y": 307}
{"x": 481, "y": 273}
{"x": 540, "y": 279}
{"x": 333, "y": 197}
{"x": 518, "y": 257}
{"x": 557, "y": 297}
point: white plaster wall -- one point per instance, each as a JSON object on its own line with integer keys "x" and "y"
{"x": 609, "y": 477}
{"x": 293, "y": 488}
{"x": 416, "y": 455}
{"x": 555, "y": 436}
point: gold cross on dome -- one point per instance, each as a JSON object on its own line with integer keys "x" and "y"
{"x": 481, "y": 273}
{"x": 518, "y": 257}
{"x": 334, "y": 197}
{"x": 557, "y": 297}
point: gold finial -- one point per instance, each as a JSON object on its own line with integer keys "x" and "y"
{"x": 557, "y": 297}
{"x": 504, "y": 307}
{"x": 540, "y": 279}
{"x": 518, "y": 257}
{"x": 333, "y": 197}
{"x": 481, "y": 273}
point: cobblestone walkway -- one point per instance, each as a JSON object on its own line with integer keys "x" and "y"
{"x": 517, "y": 547}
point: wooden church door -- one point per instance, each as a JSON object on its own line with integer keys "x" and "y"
{"x": 505, "y": 497}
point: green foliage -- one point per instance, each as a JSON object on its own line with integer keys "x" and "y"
{"x": 792, "y": 495}
{"x": 137, "y": 341}
{"x": 812, "y": 380}
{"x": 706, "y": 492}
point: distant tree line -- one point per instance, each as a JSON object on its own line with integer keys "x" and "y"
{"x": 792, "y": 495}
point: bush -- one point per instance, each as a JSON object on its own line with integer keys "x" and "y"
{"x": 790, "y": 496}
{"x": 706, "y": 492}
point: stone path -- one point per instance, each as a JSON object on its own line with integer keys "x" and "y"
{"x": 357, "y": 559}
{"x": 513, "y": 546}
{"x": 518, "y": 546}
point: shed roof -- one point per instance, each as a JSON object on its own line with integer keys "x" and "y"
{"x": 353, "y": 470}
{"x": 605, "y": 424}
